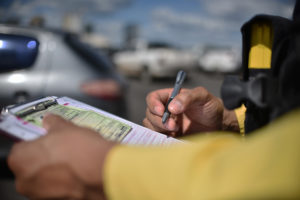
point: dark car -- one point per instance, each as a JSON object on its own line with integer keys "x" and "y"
{"x": 37, "y": 62}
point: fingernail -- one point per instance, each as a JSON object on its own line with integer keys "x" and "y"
{"x": 168, "y": 127}
{"x": 176, "y": 106}
{"x": 158, "y": 110}
{"x": 171, "y": 126}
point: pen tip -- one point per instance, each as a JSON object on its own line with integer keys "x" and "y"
{"x": 165, "y": 117}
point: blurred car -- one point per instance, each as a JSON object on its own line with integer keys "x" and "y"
{"x": 158, "y": 60}
{"x": 220, "y": 59}
{"x": 36, "y": 62}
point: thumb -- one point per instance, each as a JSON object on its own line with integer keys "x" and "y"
{"x": 53, "y": 122}
{"x": 187, "y": 98}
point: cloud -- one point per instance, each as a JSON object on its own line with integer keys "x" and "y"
{"x": 213, "y": 21}
{"x": 190, "y": 28}
{"x": 111, "y": 29}
{"x": 168, "y": 17}
{"x": 237, "y": 9}
{"x": 218, "y": 21}
{"x": 93, "y": 6}
{"x": 54, "y": 8}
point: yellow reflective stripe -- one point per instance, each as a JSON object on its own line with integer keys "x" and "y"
{"x": 261, "y": 46}
{"x": 240, "y": 115}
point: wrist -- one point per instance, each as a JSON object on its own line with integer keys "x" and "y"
{"x": 96, "y": 189}
{"x": 230, "y": 122}
{"x": 107, "y": 148}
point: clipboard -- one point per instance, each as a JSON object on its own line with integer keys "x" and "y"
{"x": 24, "y": 122}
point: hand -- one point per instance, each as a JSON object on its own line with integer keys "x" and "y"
{"x": 67, "y": 163}
{"x": 192, "y": 110}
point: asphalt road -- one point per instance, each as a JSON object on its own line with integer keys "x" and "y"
{"x": 139, "y": 88}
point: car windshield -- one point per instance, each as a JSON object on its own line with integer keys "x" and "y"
{"x": 94, "y": 57}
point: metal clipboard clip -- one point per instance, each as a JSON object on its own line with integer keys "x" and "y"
{"x": 40, "y": 106}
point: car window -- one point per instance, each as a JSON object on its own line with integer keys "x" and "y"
{"x": 90, "y": 55}
{"x": 157, "y": 45}
{"x": 17, "y": 51}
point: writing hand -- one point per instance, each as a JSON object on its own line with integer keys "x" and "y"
{"x": 192, "y": 110}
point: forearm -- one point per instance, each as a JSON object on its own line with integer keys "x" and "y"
{"x": 161, "y": 173}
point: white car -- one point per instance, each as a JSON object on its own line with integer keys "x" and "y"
{"x": 158, "y": 61}
{"x": 220, "y": 59}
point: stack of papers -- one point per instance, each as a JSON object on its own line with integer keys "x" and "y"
{"x": 111, "y": 127}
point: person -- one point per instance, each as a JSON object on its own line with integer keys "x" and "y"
{"x": 72, "y": 162}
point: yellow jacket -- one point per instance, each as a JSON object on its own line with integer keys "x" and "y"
{"x": 264, "y": 165}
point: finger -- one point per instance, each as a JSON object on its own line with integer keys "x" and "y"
{"x": 156, "y": 100}
{"x": 23, "y": 157}
{"x": 187, "y": 98}
{"x": 149, "y": 125}
{"x": 153, "y": 125}
{"x": 54, "y": 122}
{"x": 156, "y": 121}
{"x": 15, "y": 157}
{"x": 53, "y": 182}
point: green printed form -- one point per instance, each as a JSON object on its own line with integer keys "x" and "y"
{"x": 108, "y": 127}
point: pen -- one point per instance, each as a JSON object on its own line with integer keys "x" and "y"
{"x": 179, "y": 80}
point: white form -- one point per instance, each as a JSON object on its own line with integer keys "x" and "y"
{"x": 108, "y": 125}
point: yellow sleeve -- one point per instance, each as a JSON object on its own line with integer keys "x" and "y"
{"x": 241, "y": 115}
{"x": 265, "y": 165}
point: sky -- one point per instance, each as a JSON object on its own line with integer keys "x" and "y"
{"x": 183, "y": 23}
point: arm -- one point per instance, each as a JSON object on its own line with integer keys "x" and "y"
{"x": 221, "y": 166}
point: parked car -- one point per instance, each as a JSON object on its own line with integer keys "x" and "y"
{"x": 220, "y": 59}
{"x": 36, "y": 62}
{"x": 158, "y": 60}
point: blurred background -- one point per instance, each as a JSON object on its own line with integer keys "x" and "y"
{"x": 111, "y": 53}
